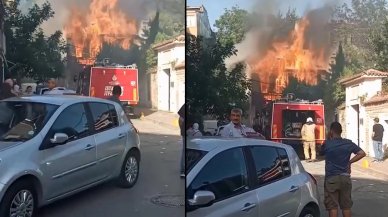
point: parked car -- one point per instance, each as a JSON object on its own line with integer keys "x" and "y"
{"x": 210, "y": 127}
{"x": 52, "y": 147}
{"x": 40, "y": 90}
{"x": 247, "y": 177}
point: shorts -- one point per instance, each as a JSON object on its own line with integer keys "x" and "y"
{"x": 338, "y": 191}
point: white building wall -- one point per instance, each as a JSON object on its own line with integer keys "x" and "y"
{"x": 169, "y": 88}
{"x": 358, "y": 127}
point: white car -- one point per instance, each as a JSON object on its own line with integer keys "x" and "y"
{"x": 247, "y": 177}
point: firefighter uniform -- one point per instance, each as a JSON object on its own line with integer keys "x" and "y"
{"x": 308, "y": 137}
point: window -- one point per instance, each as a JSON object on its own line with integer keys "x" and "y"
{"x": 268, "y": 164}
{"x": 225, "y": 175}
{"x": 193, "y": 156}
{"x": 73, "y": 122}
{"x": 284, "y": 161}
{"x": 103, "y": 116}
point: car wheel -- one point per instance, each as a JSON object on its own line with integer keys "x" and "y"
{"x": 309, "y": 212}
{"x": 19, "y": 200}
{"x": 129, "y": 171}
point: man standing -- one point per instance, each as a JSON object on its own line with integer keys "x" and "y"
{"x": 377, "y": 138}
{"x": 182, "y": 126}
{"x": 235, "y": 128}
{"x": 308, "y": 137}
{"x": 338, "y": 185}
{"x": 52, "y": 84}
{"x": 116, "y": 93}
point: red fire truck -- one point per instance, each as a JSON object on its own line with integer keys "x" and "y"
{"x": 284, "y": 118}
{"x": 99, "y": 82}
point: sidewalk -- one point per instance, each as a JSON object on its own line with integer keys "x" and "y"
{"x": 373, "y": 168}
{"x": 167, "y": 119}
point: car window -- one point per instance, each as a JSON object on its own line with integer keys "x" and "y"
{"x": 225, "y": 175}
{"x": 73, "y": 122}
{"x": 113, "y": 114}
{"x": 284, "y": 161}
{"x": 267, "y": 163}
{"x": 102, "y": 116}
{"x": 193, "y": 156}
{"x": 20, "y": 121}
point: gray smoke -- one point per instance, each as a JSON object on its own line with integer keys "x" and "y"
{"x": 267, "y": 28}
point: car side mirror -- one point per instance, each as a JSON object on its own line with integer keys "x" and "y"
{"x": 202, "y": 198}
{"x": 59, "y": 138}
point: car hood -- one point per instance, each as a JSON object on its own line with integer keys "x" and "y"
{"x": 7, "y": 145}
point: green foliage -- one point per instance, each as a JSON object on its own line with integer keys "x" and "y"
{"x": 35, "y": 55}
{"x": 212, "y": 89}
{"x": 232, "y": 26}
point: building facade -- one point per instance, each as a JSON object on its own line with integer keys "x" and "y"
{"x": 360, "y": 108}
{"x": 197, "y": 22}
{"x": 170, "y": 75}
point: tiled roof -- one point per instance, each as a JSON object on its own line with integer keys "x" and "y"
{"x": 377, "y": 99}
{"x": 367, "y": 73}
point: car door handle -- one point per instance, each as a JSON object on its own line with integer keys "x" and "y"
{"x": 294, "y": 188}
{"x": 89, "y": 147}
{"x": 248, "y": 206}
{"x": 121, "y": 135}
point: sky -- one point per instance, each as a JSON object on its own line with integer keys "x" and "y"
{"x": 215, "y": 8}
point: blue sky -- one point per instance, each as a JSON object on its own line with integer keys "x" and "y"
{"x": 215, "y": 8}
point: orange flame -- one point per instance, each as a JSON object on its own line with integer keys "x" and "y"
{"x": 103, "y": 22}
{"x": 289, "y": 58}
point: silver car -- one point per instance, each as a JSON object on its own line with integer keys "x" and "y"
{"x": 247, "y": 177}
{"x": 54, "y": 146}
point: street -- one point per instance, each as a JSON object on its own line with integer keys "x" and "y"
{"x": 370, "y": 194}
{"x": 158, "y": 192}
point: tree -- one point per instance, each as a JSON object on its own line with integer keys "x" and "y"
{"x": 35, "y": 55}
{"x": 232, "y": 26}
{"x": 212, "y": 89}
{"x": 380, "y": 46}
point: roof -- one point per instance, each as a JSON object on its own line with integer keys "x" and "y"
{"x": 377, "y": 99}
{"x": 368, "y": 73}
{"x": 57, "y": 99}
{"x": 177, "y": 40}
{"x": 210, "y": 143}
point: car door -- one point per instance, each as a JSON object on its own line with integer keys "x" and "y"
{"x": 71, "y": 165}
{"x": 278, "y": 191}
{"x": 225, "y": 175}
{"x": 109, "y": 136}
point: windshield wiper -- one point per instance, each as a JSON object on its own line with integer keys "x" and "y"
{"x": 13, "y": 139}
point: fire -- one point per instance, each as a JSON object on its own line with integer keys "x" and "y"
{"x": 102, "y": 22}
{"x": 293, "y": 56}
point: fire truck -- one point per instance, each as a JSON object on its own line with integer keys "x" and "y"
{"x": 98, "y": 81}
{"x": 283, "y": 120}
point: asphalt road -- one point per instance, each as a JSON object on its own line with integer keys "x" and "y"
{"x": 158, "y": 192}
{"x": 370, "y": 194}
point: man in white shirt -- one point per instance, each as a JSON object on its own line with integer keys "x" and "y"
{"x": 235, "y": 128}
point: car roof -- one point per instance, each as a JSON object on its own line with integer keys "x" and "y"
{"x": 57, "y": 99}
{"x": 211, "y": 143}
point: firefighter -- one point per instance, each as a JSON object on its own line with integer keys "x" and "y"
{"x": 308, "y": 138}
{"x": 235, "y": 128}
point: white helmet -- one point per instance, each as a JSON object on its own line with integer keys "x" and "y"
{"x": 309, "y": 120}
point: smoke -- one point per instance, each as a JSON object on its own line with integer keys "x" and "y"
{"x": 268, "y": 28}
{"x": 137, "y": 9}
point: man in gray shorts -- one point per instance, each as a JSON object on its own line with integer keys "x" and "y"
{"x": 338, "y": 185}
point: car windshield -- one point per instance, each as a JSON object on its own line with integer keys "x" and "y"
{"x": 193, "y": 156}
{"x": 21, "y": 121}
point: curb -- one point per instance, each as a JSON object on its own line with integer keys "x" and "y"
{"x": 161, "y": 123}
{"x": 372, "y": 172}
